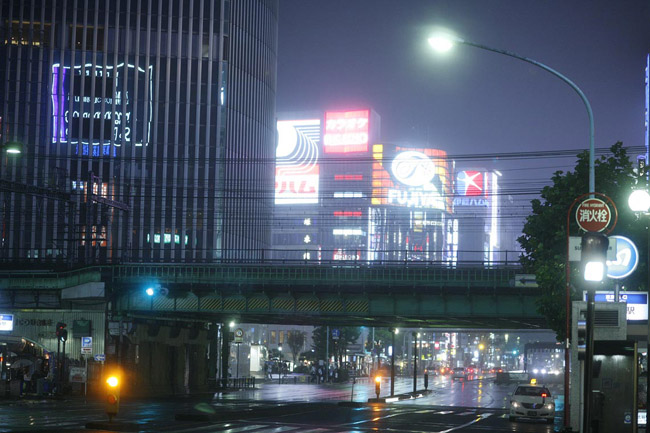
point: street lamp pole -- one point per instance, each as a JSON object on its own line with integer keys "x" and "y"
{"x": 444, "y": 43}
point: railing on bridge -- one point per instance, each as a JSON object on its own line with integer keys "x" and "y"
{"x": 272, "y": 272}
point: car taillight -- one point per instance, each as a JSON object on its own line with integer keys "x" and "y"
{"x": 544, "y": 395}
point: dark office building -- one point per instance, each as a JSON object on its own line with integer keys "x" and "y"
{"x": 147, "y": 129}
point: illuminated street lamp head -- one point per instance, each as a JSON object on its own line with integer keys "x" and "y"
{"x": 13, "y": 147}
{"x": 232, "y": 324}
{"x": 639, "y": 200}
{"x": 481, "y": 346}
{"x": 150, "y": 291}
{"x": 443, "y": 43}
{"x": 378, "y": 379}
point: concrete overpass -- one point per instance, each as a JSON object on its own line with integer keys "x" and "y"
{"x": 406, "y": 295}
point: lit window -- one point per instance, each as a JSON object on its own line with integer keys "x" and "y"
{"x": 348, "y": 194}
{"x": 307, "y": 221}
{"x": 347, "y": 232}
{"x": 307, "y": 239}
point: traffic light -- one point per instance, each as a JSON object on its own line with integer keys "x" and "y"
{"x": 61, "y": 332}
{"x": 112, "y": 397}
{"x": 594, "y": 254}
{"x": 60, "y": 326}
{"x": 378, "y": 385}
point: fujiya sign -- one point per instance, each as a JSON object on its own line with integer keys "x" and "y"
{"x": 416, "y": 173}
{"x": 593, "y": 215}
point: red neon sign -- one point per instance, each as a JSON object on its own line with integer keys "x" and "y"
{"x": 346, "y": 131}
{"x": 348, "y": 177}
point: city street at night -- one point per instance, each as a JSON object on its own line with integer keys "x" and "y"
{"x": 324, "y": 216}
{"x": 463, "y": 406}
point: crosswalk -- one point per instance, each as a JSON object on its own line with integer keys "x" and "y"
{"x": 443, "y": 423}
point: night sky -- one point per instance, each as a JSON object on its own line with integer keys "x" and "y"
{"x": 340, "y": 54}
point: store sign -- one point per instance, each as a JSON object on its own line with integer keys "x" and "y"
{"x": 346, "y": 131}
{"x": 112, "y": 113}
{"x": 471, "y": 189}
{"x": 410, "y": 177}
{"x": 296, "y": 161}
{"x": 6, "y": 322}
{"x": 637, "y": 302}
{"x": 470, "y": 184}
{"x": 415, "y": 173}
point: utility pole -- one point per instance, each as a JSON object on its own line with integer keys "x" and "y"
{"x": 415, "y": 362}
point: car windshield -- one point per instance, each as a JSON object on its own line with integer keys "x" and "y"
{"x": 459, "y": 369}
{"x": 532, "y": 391}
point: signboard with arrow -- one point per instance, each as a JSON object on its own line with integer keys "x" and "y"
{"x": 525, "y": 280}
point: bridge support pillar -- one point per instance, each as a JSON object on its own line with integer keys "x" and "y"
{"x": 225, "y": 354}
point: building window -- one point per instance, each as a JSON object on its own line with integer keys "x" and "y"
{"x": 273, "y": 337}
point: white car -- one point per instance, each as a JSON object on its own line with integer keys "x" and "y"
{"x": 458, "y": 373}
{"x": 532, "y": 401}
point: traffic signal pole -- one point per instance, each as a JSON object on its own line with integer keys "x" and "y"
{"x": 589, "y": 362}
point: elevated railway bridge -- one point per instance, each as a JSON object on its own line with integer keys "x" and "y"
{"x": 406, "y": 295}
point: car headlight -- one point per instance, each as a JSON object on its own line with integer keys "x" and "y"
{"x": 550, "y": 406}
{"x": 514, "y": 404}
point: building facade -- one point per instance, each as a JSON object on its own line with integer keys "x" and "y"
{"x": 147, "y": 129}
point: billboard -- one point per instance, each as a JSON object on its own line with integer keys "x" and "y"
{"x": 472, "y": 188}
{"x": 116, "y": 114}
{"x": 346, "y": 131}
{"x": 411, "y": 177}
{"x": 296, "y": 162}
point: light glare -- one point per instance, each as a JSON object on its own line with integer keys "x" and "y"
{"x": 639, "y": 201}
{"x": 150, "y": 291}
{"x": 442, "y": 44}
{"x": 594, "y": 271}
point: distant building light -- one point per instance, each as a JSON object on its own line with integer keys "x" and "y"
{"x": 348, "y": 232}
{"x": 348, "y": 194}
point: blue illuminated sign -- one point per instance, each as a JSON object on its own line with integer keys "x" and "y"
{"x": 627, "y": 258}
{"x": 637, "y": 302}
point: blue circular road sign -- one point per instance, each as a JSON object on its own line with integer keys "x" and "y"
{"x": 627, "y": 258}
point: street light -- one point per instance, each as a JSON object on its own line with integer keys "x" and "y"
{"x": 639, "y": 202}
{"x": 444, "y": 42}
{"x": 13, "y": 147}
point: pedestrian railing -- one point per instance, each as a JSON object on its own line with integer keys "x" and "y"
{"x": 241, "y": 382}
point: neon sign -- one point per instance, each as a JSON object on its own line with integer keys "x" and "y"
{"x": 346, "y": 131}
{"x": 414, "y": 178}
{"x": 296, "y": 158}
{"x": 111, "y": 114}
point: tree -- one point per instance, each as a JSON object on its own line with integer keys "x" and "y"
{"x": 296, "y": 341}
{"x": 383, "y": 338}
{"x": 544, "y": 233}
{"x": 338, "y": 348}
